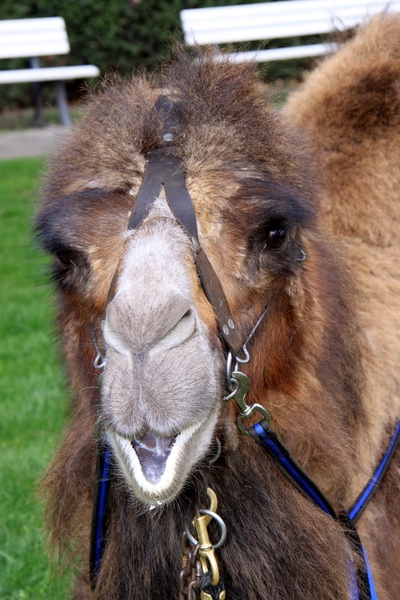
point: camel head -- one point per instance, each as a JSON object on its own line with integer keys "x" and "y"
{"x": 138, "y": 290}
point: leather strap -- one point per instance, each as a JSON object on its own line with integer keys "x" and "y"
{"x": 164, "y": 170}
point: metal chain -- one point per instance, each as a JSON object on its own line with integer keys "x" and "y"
{"x": 191, "y": 572}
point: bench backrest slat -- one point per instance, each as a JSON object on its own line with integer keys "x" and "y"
{"x": 275, "y": 20}
{"x": 33, "y": 37}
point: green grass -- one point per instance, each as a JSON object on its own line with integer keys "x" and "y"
{"x": 33, "y": 396}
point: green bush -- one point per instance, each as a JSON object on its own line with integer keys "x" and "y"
{"x": 120, "y": 35}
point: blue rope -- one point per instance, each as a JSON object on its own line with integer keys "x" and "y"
{"x": 100, "y": 513}
{"x": 360, "y": 504}
{"x": 264, "y": 435}
{"x": 374, "y": 595}
{"x": 291, "y": 467}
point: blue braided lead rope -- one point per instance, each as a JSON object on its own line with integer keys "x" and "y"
{"x": 100, "y": 510}
{"x": 273, "y": 446}
{"x": 361, "y": 503}
{"x": 275, "y": 449}
{"x": 374, "y": 595}
{"x": 263, "y": 433}
{"x": 358, "y": 507}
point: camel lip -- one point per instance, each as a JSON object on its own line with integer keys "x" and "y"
{"x": 152, "y": 464}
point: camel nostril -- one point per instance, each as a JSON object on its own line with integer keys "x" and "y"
{"x": 180, "y": 332}
{"x": 163, "y": 323}
{"x": 187, "y": 315}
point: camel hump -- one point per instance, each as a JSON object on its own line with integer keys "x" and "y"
{"x": 350, "y": 109}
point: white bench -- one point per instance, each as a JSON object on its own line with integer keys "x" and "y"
{"x": 275, "y": 20}
{"x": 32, "y": 38}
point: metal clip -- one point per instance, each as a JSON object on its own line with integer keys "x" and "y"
{"x": 207, "y": 596}
{"x": 241, "y": 384}
{"x": 206, "y": 548}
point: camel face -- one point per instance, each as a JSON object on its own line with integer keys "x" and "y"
{"x": 162, "y": 387}
{"x": 164, "y": 378}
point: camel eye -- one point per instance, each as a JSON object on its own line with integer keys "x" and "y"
{"x": 275, "y": 238}
{"x": 65, "y": 259}
{"x": 68, "y": 267}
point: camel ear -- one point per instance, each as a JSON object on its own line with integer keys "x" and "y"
{"x": 52, "y": 226}
{"x": 55, "y": 221}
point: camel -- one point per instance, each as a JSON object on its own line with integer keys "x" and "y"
{"x": 292, "y": 215}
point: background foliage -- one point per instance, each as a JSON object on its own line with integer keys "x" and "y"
{"x": 114, "y": 35}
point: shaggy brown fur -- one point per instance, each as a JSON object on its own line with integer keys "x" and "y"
{"x": 350, "y": 108}
{"x": 245, "y": 166}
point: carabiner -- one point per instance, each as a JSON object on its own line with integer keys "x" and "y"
{"x": 206, "y": 548}
{"x": 241, "y": 385}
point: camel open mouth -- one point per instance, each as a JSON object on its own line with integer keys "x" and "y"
{"x": 153, "y": 452}
{"x": 156, "y": 467}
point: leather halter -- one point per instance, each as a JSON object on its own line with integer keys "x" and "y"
{"x": 165, "y": 170}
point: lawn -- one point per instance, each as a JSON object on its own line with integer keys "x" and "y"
{"x": 33, "y": 394}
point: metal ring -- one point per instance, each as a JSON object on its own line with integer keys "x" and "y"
{"x": 246, "y": 358}
{"x": 302, "y": 256}
{"x": 217, "y": 454}
{"x": 229, "y": 360}
{"x": 235, "y": 385}
{"x": 250, "y": 410}
{"x": 190, "y": 537}
{"x": 221, "y": 523}
{"x": 99, "y": 361}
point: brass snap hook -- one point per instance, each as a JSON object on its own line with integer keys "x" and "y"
{"x": 206, "y": 548}
{"x": 241, "y": 385}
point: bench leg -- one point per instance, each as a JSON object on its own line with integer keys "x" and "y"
{"x": 37, "y": 94}
{"x": 62, "y": 102}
